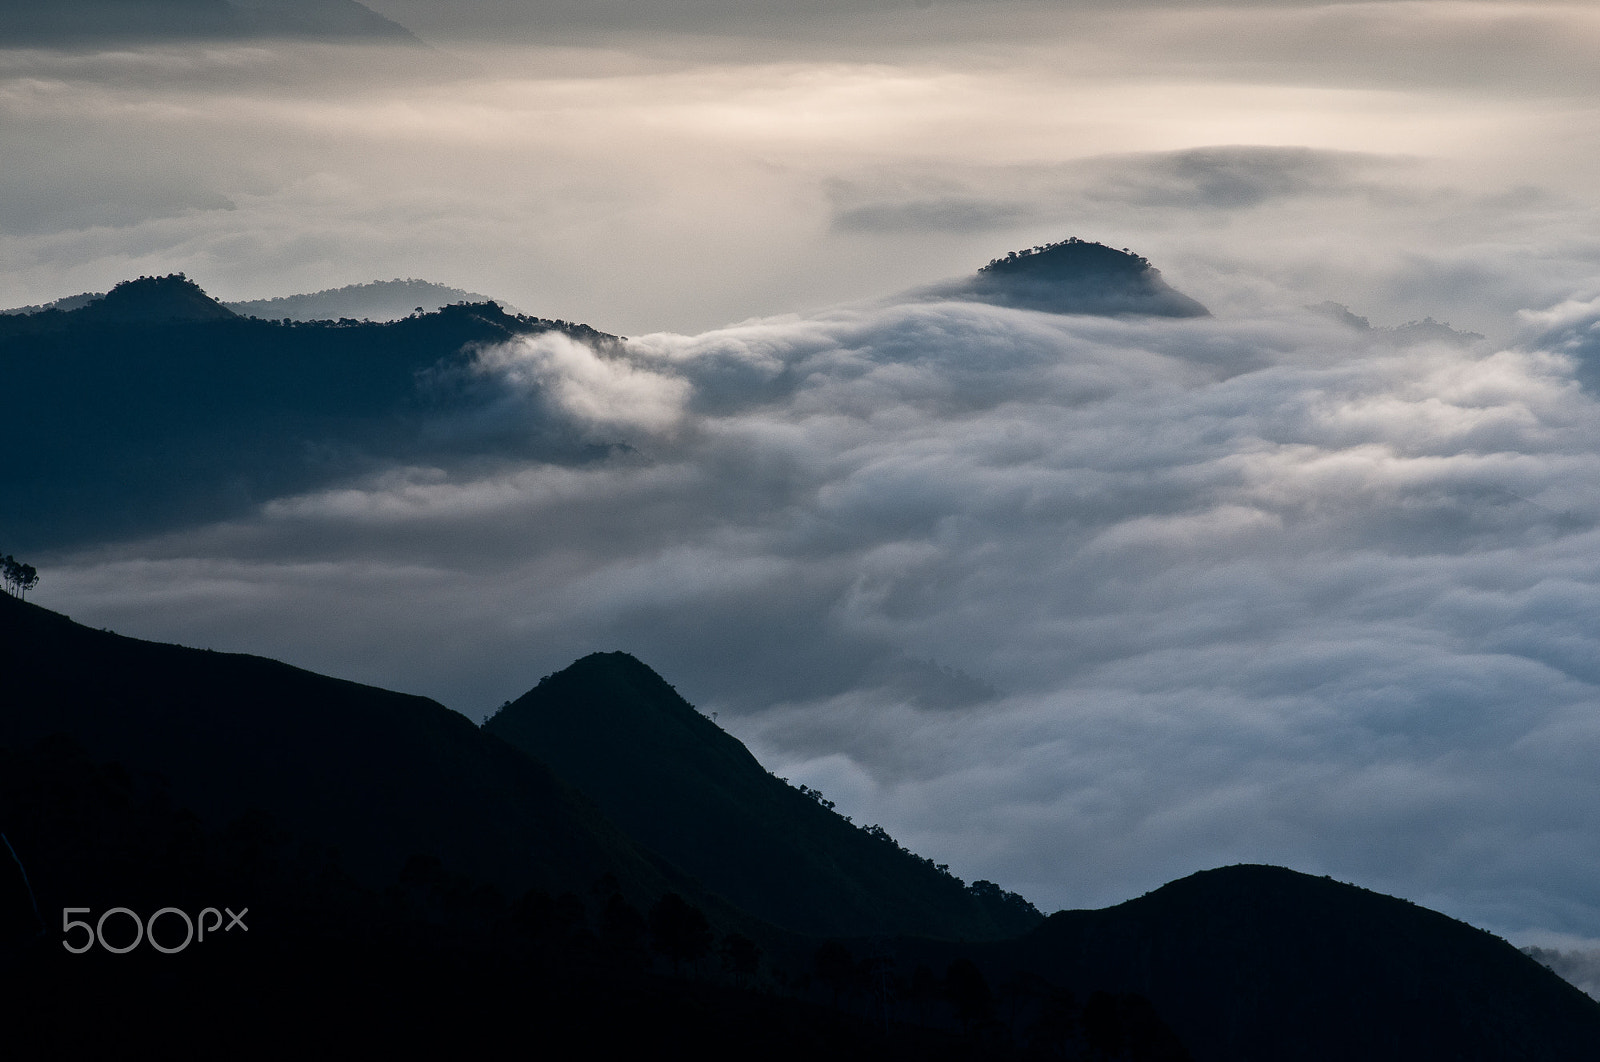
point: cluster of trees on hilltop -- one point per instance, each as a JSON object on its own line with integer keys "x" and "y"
{"x": 998, "y": 264}
{"x": 19, "y": 578}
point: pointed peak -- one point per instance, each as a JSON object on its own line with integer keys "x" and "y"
{"x": 615, "y": 682}
{"x": 614, "y": 663}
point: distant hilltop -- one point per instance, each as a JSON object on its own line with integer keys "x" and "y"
{"x": 149, "y": 299}
{"x": 1074, "y": 276}
{"x": 380, "y": 300}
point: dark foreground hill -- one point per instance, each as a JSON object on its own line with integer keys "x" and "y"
{"x": 1074, "y": 276}
{"x": 155, "y": 406}
{"x": 1260, "y": 964}
{"x": 406, "y": 884}
{"x": 375, "y": 845}
{"x": 379, "y": 776}
{"x": 617, "y": 732}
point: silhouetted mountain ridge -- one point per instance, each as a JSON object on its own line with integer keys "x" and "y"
{"x": 1259, "y": 963}
{"x": 379, "y": 775}
{"x": 105, "y": 742}
{"x": 618, "y": 733}
{"x": 155, "y": 406}
{"x": 378, "y": 300}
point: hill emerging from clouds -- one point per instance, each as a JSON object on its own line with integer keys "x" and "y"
{"x": 1074, "y": 276}
{"x": 155, "y": 404}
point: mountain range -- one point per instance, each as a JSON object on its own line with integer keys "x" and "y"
{"x": 154, "y": 406}
{"x": 417, "y": 868}
{"x": 378, "y": 300}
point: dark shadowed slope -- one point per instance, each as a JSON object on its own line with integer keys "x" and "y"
{"x": 1244, "y": 964}
{"x": 683, "y": 787}
{"x": 380, "y": 775}
{"x": 417, "y": 956}
{"x": 1263, "y": 964}
{"x": 67, "y": 23}
{"x": 1074, "y": 276}
{"x": 155, "y": 406}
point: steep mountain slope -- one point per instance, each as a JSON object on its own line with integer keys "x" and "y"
{"x": 682, "y": 786}
{"x": 1074, "y": 276}
{"x": 381, "y": 776}
{"x": 1261, "y": 964}
{"x": 156, "y": 406}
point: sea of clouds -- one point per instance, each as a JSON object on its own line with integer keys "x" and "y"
{"x": 1074, "y": 604}
{"x": 1077, "y": 604}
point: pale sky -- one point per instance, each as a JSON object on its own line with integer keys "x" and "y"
{"x": 1078, "y": 605}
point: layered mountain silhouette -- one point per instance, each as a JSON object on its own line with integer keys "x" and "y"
{"x": 74, "y": 22}
{"x": 618, "y": 733}
{"x": 155, "y": 406}
{"x": 1073, "y": 277}
{"x": 143, "y": 776}
{"x": 380, "y": 300}
{"x": 380, "y": 776}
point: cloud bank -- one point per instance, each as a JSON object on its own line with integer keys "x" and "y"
{"x": 1076, "y": 603}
